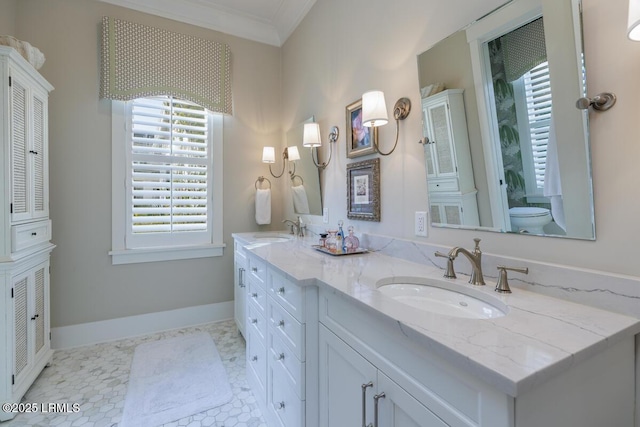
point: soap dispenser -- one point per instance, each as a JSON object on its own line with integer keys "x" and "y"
{"x": 340, "y": 238}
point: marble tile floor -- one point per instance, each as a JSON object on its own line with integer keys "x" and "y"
{"x": 96, "y": 378}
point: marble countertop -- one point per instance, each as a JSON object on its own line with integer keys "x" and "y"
{"x": 539, "y": 337}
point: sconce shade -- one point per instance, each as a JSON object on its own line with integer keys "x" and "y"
{"x": 293, "y": 154}
{"x": 633, "y": 28}
{"x": 311, "y": 135}
{"x": 374, "y": 109}
{"x": 268, "y": 155}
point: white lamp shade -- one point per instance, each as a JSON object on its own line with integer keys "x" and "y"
{"x": 633, "y": 28}
{"x": 311, "y": 135}
{"x": 374, "y": 109}
{"x": 293, "y": 153}
{"x": 268, "y": 155}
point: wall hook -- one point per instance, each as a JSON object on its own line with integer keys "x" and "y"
{"x": 601, "y": 102}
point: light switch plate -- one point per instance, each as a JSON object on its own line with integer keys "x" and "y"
{"x": 325, "y": 215}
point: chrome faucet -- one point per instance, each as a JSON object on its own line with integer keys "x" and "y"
{"x": 297, "y": 227}
{"x": 475, "y": 258}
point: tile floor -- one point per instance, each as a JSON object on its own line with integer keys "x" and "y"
{"x": 96, "y": 378}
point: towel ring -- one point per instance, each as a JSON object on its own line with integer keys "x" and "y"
{"x": 260, "y": 180}
{"x": 293, "y": 177}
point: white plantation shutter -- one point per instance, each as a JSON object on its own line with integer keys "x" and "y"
{"x": 169, "y": 176}
{"x": 538, "y": 97}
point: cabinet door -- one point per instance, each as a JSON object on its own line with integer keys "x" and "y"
{"x": 240, "y": 295}
{"x": 21, "y": 356}
{"x": 441, "y": 145}
{"x": 446, "y": 213}
{"x": 342, "y": 373}
{"x": 38, "y": 157}
{"x": 19, "y": 150}
{"x": 397, "y": 408}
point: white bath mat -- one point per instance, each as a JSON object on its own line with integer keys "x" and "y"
{"x": 174, "y": 378}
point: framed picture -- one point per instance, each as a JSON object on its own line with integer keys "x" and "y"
{"x": 363, "y": 190}
{"x": 360, "y": 139}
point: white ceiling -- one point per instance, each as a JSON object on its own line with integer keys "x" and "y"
{"x": 266, "y": 21}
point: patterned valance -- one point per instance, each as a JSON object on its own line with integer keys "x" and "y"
{"x": 139, "y": 61}
{"x": 524, "y": 48}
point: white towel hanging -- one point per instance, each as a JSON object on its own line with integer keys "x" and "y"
{"x": 263, "y": 206}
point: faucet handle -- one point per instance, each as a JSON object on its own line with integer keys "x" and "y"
{"x": 503, "y": 283}
{"x": 449, "y": 272}
{"x": 476, "y": 249}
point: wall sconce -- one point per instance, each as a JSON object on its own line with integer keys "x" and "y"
{"x": 374, "y": 113}
{"x": 311, "y": 138}
{"x": 633, "y": 27}
{"x": 290, "y": 154}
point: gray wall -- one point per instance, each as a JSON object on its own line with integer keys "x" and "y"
{"x": 85, "y": 286}
{"x": 343, "y": 49}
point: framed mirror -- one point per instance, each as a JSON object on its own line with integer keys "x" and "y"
{"x": 506, "y": 149}
{"x": 304, "y": 182}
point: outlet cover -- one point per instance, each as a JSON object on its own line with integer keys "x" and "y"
{"x": 421, "y": 224}
{"x": 325, "y": 215}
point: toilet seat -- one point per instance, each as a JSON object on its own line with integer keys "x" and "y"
{"x": 528, "y": 212}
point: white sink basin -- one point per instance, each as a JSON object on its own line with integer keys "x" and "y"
{"x": 272, "y": 238}
{"x": 437, "y": 297}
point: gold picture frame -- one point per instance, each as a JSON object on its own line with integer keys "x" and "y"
{"x": 363, "y": 190}
{"x": 360, "y": 140}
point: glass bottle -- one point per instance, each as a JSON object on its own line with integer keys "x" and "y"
{"x": 331, "y": 240}
{"x": 351, "y": 242}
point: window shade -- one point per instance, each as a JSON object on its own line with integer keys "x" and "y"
{"x": 538, "y": 94}
{"x": 140, "y": 61}
{"x": 524, "y": 48}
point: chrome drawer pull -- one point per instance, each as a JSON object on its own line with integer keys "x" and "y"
{"x": 376, "y": 398}
{"x": 281, "y": 324}
{"x": 254, "y": 295}
{"x": 254, "y": 359}
{"x": 281, "y": 291}
{"x": 280, "y": 405}
{"x": 364, "y": 402}
{"x": 254, "y": 321}
{"x": 254, "y": 269}
{"x": 280, "y": 356}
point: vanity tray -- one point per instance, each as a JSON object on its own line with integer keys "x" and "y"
{"x": 327, "y": 251}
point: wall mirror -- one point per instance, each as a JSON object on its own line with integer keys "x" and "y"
{"x": 304, "y": 182}
{"x": 506, "y": 149}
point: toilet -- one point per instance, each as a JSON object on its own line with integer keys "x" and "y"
{"x": 529, "y": 220}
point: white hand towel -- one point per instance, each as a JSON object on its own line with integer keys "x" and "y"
{"x": 263, "y": 206}
{"x": 552, "y": 184}
{"x": 300, "y": 201}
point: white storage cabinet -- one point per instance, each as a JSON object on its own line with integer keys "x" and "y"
{"x": 26, "y": 230}
{"x": 448, "y": 158}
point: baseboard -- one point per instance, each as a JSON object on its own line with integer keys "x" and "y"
{"x": 127, "y": 327}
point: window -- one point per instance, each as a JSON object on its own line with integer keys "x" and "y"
{"x": 532, "y": 93}
{"x": 167, "y": 180}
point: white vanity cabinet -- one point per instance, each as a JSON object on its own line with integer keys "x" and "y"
{"x": 423, "y": 389}
{"x": 281, "y": 346}
{"x": 25, "y": 227}
{"x": 448, "y": 158}
{"x": 240, "y": 285}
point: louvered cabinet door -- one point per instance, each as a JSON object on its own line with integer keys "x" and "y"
{"x": 38, "y": 159}
{"x": 20, "y": 196}
{"x": 21, "y": 356}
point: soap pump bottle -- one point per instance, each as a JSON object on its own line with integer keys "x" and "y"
{"x": 340, "y": 238}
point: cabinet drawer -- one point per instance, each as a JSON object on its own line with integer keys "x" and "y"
{"x": 257, "y": 296}
{"x": 283, "y": 401}
{"x": 443, "y": 184}
{"x": 27, "y": 235}
{"x": 288, "y": 294}
{"x": 256, "y": 321}
{"x": 282, "y": 355}
{"x": 257, "y": 269}
{"x": 256, "y": 365}
{"x": 286, "y": 328}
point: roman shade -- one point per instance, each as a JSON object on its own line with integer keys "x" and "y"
{"x": 140, "y": 61}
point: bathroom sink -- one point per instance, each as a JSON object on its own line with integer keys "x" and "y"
{"x": 438, "y": 297}
{"x": 272, "y": 237}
